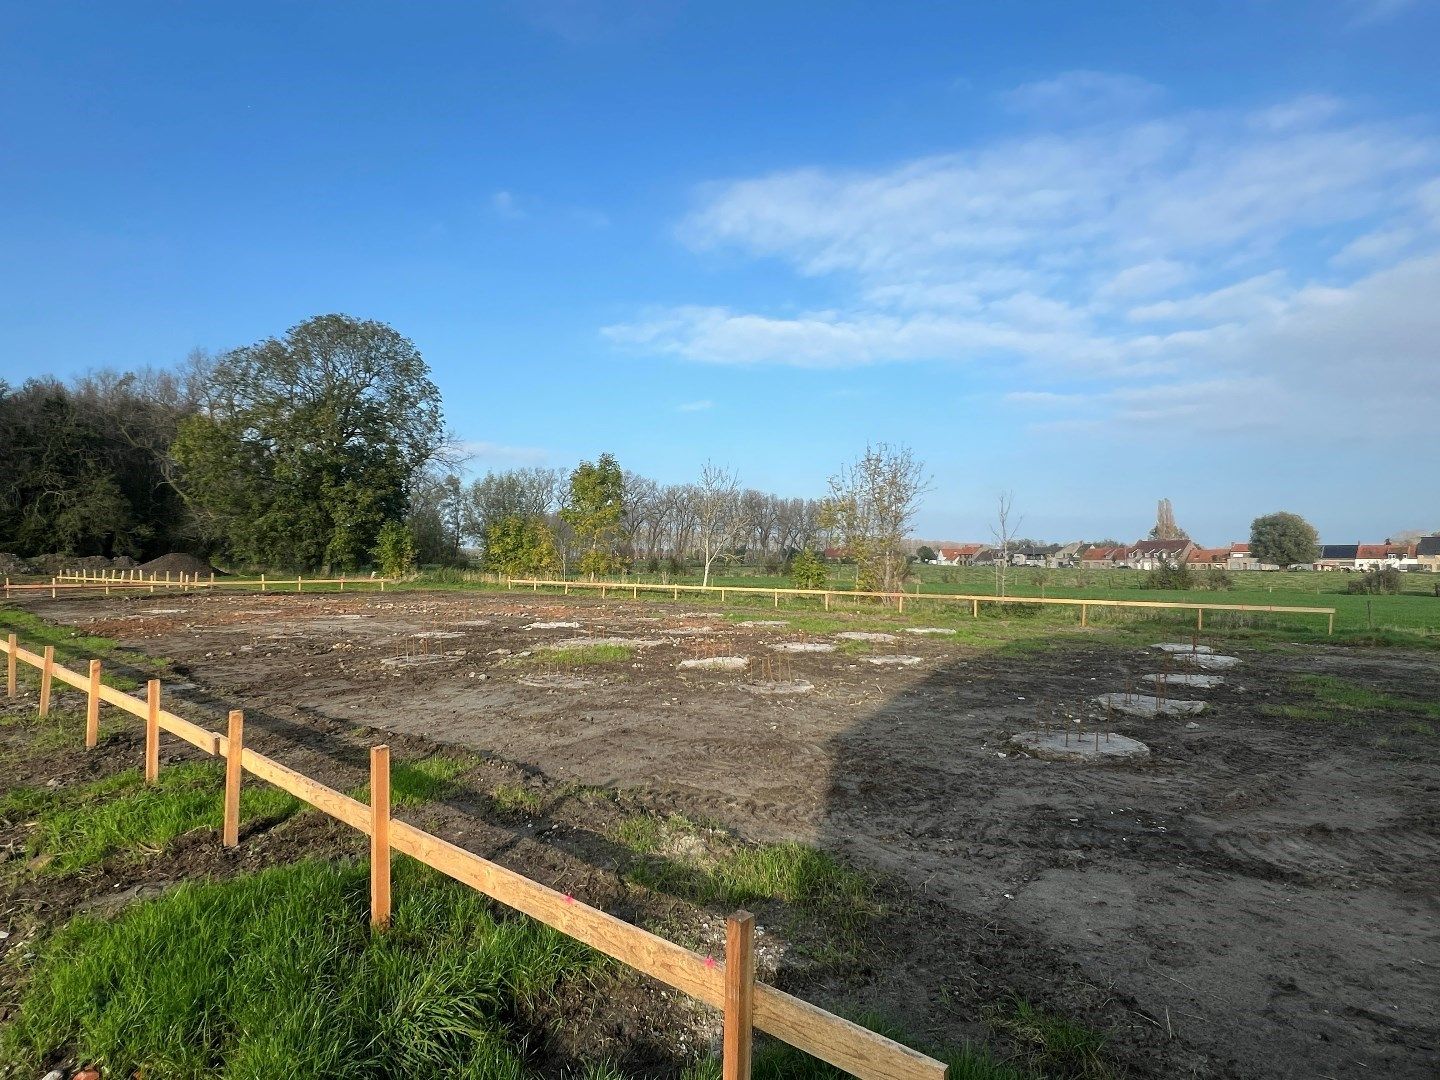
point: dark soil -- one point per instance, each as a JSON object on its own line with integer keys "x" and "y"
{"x": 1257, "y": 901}
{"x": 178, "y": 563}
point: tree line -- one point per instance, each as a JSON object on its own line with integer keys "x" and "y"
{"x": 326, "y": 448}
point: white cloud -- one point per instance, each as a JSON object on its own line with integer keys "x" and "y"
{"x": 1189, "y": 257}
{"x": 480, "y": 454}
{"x": 1082, "y": 94}
{"x": 506, "y": 206}
{"x": 694, "y": 406}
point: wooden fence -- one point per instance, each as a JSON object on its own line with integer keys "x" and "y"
{"x": 899, "y": 598}
{"x": 133, "y": 581}
{"x": 729, "y": 985}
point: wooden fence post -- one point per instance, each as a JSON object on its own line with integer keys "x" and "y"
{"x": 234, "y": 748}
{"x": 297, "y": 582}
{"x": 152, "y": 731}
{"x": 92, "y": 708}
{"x": 262, "y": 582}
{"x": 1199, "y": 618}
{"x": 11, "y": 644}
{"x": 1084, "y": 615}
{"x": 974, "y": 609}
{"x": 739, "y": 995}
{"x": 47, "y": 673}
{"x": 380, "y": 837}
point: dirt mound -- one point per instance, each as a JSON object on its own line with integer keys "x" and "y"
{"x": 13, "y": 565}
{"x": 177, "y": 563}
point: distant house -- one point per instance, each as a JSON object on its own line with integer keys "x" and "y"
{"x": 958, "y": 556}
{"x": 1210, "y": 557}
{"x": 1102, "y": 556}
{"x": 1153, "y": 554}
{"x": 1241, "y": 559}
{"x": 1379, "y": 556}
{"x": 1068, "y": 555}
{"x": 1427, "y": 553}
{"x": 1337, "y": 557}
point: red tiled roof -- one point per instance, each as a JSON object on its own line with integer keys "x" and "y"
{"x": 959, "y": 552}
{"x": 1168, "y": 546}
{"x": 1240, "y": 549}
{"x": 1095, "y": 554}
{"x": 1210, "y": 556}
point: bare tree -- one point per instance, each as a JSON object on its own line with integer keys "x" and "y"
{"x": 871, "y": 507}
{"x": 1004, "y": 531}
{"x": 719, "y": 514}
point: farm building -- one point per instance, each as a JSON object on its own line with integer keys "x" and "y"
{"x": 1427, "y": 553}
{"x": 1153, "y": 554}
{"x": 1337, "y": 557}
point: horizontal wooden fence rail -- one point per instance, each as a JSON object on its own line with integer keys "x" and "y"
{"x": 728, "y": 985}
{"x": 620, "y": 588}
{"x": 72, "y": 582}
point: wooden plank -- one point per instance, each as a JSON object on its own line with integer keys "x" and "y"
{"x": 351, "y": 811}
{"x": 857, "y": 1050}
{"x": 71, "y": 678}
{"x": 121, "y": 700}
{"x": 92, "y": 707}
{"x": 12, "y": 648}
{"x": 194, "y": 734}
{"x": 234, "y": 773}
{"x": 739, "y": 996}
{"x": 47, "y": 673}
{"x": 379, "y": 837}
{"x": 689, "y": 972}
{"x": 152, "y": 731}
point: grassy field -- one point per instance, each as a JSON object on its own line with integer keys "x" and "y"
{"x": 1410, "y": 619}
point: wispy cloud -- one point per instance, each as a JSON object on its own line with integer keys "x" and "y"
{"x": 1119, "y": 250}
{"x": 506, "y": 206}
{"x": 480, "y": 454}
{"x": 1083, "y": 94}
{"x": 694, "y": 406}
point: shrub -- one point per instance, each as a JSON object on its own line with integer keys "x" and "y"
{"x": 1217, "y": 579}
{"x": 808, "y": 572}
{"x": 1385, "y": 580}
{"x": 1170, "y": 576}
{"x": 395, "y": 549}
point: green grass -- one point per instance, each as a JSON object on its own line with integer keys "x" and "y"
{"x": 73, "y": 649}
{"x": 516, "y": 801}
{"x": 581, "y": 654}
{"x": 1336, "y": 701}
{"x": 416, "y": 782}
{"x": 81, "y": 825}
{"x": 1410, "y": 619}
{"x": 775, "y": 1060}
{"x": 1050, "y": 1044}
{"x": 678, "y": 857}
{"x": 1339, "y": 694}
{"x": 277, "y": 974}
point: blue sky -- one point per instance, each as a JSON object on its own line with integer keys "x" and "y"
{"x": 1094, "y": 254}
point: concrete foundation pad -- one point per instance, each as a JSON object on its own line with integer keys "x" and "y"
{"x": 587, "y": 642}
{"x": 1077, "y": 747}
{"x": 864, "y": 635}
{"x": 553, "y": 626}
{"x": 930, "y": 630}
{"x": 691, "y": 631}
{"x": 430, "y": 635}
{"x": 764, "y": 622}
{"x": 803, "y": 646}
{"x": 1180, "y": 646}
{"x": 892, "y": 661}
{"x": 427, "y": 660}
{"x": 1206, "y": 662}
{"x": 1148, "y": 706}
{"x": 715, "y": 663}
{"x": 778, "y": 688}
{"x": 557, "y": 681}
{"x": 1204, "y": 682}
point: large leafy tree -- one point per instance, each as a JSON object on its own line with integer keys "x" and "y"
{"x": 595, "y": 510}
{"x": 1283, "y": 539}
{"x": 309, "y": 443}
{"x": 82, "y": 466}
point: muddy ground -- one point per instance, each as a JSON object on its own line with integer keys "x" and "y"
{"x": 1260, "y": 899}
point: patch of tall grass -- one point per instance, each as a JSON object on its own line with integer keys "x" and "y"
{"x": 277, "y": 974}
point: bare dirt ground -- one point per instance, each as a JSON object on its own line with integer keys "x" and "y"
{"x": 1259, "y": 899}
